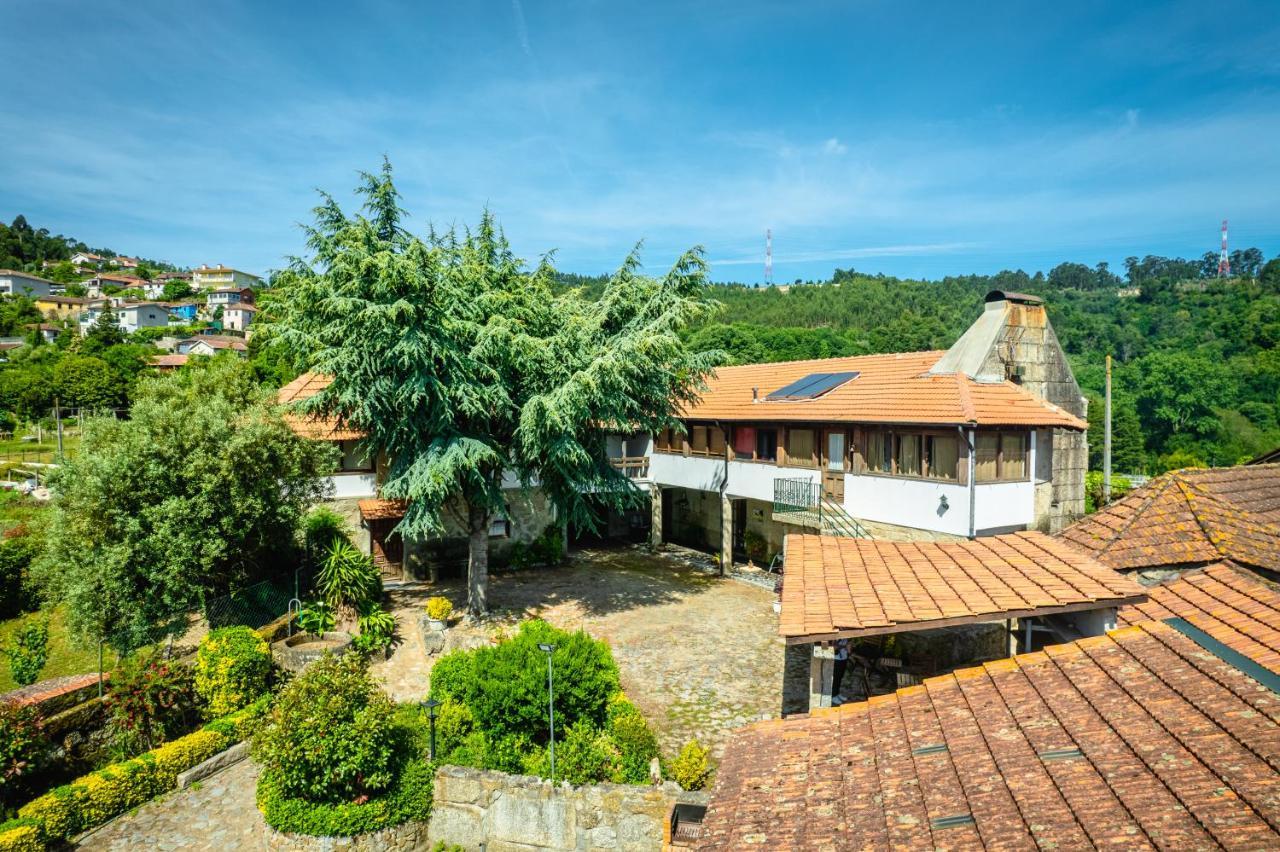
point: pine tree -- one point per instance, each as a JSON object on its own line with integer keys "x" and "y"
{"x": 460, "y": 364}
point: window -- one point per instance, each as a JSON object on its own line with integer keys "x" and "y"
{"x": 717, "y": 443}
{"x": 744, "y": 441}
{"x": 662, "y": 441}
{"x": 1001, "y": 456}
{"x": 1013, "y": 456}
{"x": 766, "y": 444}
{"x": 698, "y": 440}
{"x": 499, "y": 526}
{"x": 986, "y": 456}
{"x": 800, "y": 446}
{"x": 835, "y": 451}
{"x": 942, "y": 457}
{"x": 354, "y": 458}
{"x": 908, "y": 455}
{"x": 879, "y": 452}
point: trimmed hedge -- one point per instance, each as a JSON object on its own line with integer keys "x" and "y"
{"x": 231, "y": 668}
{"x": 409, "y": 798}
{"x": 93, "y": 799}
{"x": 20, "y": 835}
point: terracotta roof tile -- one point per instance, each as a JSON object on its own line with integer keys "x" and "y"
{"x": 851, "y": 587}
{"x": 1189, "y": 517}
{"x": 1138, "y": 739}
{"x": 889, "y": 389}
{"x": 381, "y": 510}
{"x": 1232, "y": 604}
{"x": 311, "y": 426}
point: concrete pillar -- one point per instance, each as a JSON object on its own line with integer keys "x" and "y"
{"x": 726, "y": 533}
{"x": 655, "y": 517}
{"x": 822, "y": 672}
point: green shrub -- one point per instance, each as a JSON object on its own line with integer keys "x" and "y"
{"x": 232, "y": 668}
{"x": 150, "y": 702}
{"x": 454, "y": 723}
{"x": 20, "y": 835}
{"x": 17, "y": 593}
{"x": 691, "y": 769}
{"x": 321, "y": 528}
{"x": 438, "y": 608}
{"x": 23, "y": 748}
{"x": 635, "y": 740}
{"x": 587, "y": 755}
{"x": 377, "y": 629}
{"x": 408, "y": 798}
{"x": 316, "y": 618}
{"x": 30, "y": 652}
{"x": 330, "y": 738}
{"x": 505, "y": 685}
{"x": 348, "y": 581}
{"x": 99, "y": 796}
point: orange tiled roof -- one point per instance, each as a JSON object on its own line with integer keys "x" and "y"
{"x": 1187, "y": 517}
{"x": 382, "y": 510}
{"x": 1176, "y": 750}
{"x": 1231, "y": 604}
{"x": 169, "y": 359}
{"x": 889, "y": 389}
{"x": 311, "y": 426}
{"x": 834, "y": 586}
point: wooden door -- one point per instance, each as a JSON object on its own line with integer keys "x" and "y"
{"x": 833, "y": 465}
{"x": 387, "y": 548}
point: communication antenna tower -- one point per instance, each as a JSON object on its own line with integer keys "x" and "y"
{"x": 768, "y": 254}
{"x": 1224, "y": 265}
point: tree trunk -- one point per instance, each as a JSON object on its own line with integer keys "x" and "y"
{"x": 477, "y": 561}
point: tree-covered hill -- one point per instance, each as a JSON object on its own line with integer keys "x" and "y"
{"x": 1196, "y": 368}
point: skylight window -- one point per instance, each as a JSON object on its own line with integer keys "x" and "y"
{"x": 811, "y": 386}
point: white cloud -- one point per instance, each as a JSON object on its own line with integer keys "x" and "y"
{"x": 833, "y": 146}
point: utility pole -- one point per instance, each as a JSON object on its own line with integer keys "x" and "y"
{"x": 1106, "y": 441}
{"x": 57, "y": 416}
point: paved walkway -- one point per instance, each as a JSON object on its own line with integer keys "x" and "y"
{"x": 699, "y": 655}
{"x": 218, "y": 815}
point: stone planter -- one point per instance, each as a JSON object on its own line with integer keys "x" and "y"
{"x": 299, "y": 651}
{"x": 432, "y": 637}
{"x": 436, "y": 624}
{"x": 397, "y": 838}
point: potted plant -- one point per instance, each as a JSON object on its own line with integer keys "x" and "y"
{"x": 438, "y": 611}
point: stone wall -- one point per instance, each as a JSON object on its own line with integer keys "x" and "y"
{"x": 491, "y": 811}
{"x": 398, "y": 838}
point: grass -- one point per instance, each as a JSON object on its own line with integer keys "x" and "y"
{"x": 65, "y": 656}
{"x": 15, "y": 453}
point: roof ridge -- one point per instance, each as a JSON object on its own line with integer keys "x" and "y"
{"x": 966, "y": 401}
{"x": 1157, "y": 487}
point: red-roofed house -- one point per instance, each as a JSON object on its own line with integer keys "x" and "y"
{"x": 986, "y": 437}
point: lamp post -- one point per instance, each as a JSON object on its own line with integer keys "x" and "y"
{"x": 548, "y": 648}
{"x": 430, "y": 706}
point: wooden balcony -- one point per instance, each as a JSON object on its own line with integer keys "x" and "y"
{"x": 633, "y": 467}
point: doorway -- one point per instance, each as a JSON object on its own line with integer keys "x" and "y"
{"x": 833, "y": 467}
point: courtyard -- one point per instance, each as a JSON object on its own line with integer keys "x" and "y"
{"x": 698, "y": 654}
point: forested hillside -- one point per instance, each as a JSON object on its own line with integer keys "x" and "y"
{"x": 1197, "y": 371}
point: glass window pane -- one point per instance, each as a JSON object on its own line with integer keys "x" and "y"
{"x": 1013, "y": 449}
{"x": 698, "y": 439}
{"x": 767, "y": 444}
{"x": 800, "y": 445}
{"x": 354, "y": 458}
{"x": 717, "y": 441}
{"x": 835, "y": 451}
{"x": 909, "y": 455}
{"x": 986, "y": 447}
{"x": 880, "y": 451}
{"x": 944, "y": 457}
{"x": 744, "y": 440}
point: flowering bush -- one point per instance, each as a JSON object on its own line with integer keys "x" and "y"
{"x": 232, "y": 668}
{"x": 691, "y": 769}
{"x": 439, "y": 609}
{"x": 150, "y": 702}
{"x": 23, "y": 746}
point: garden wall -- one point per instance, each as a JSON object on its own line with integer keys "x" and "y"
{"x": 479, "y": 809}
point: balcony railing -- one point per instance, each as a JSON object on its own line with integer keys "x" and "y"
{"x": 633, "y": 467}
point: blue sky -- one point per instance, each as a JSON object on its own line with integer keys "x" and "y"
{"x": 897, "y": 137}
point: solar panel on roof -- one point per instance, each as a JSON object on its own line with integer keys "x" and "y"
{"x": 811, "y": 386}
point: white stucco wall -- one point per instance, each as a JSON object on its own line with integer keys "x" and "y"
{"x": 348, "y": 485}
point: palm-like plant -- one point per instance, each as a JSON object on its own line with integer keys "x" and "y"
{"x": 348, "y": 581}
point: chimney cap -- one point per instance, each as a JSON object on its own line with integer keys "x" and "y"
{"x": 1016, "y": 298}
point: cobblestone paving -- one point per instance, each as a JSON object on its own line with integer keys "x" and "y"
{"x": 220, "y": 815}
{"x": 698, "y": 654}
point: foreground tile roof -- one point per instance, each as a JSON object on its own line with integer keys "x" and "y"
{"x": 835, "y": 586}
{"x": 382, "y": 510}
{"x": 311, "y": 426}
{"x": 1231, "y": 604}
{"x": 1137, "y": 739}
{"x": 1189, "y": 517}
{"x": 890, "y": 389}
